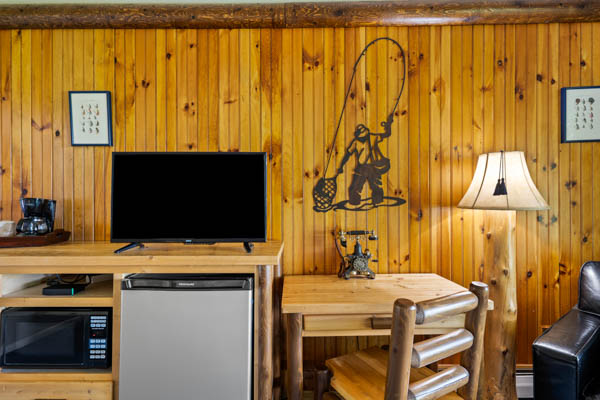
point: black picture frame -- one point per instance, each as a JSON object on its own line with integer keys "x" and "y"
{"x": 78, "y": 99}
{"x": 571, "y": 108}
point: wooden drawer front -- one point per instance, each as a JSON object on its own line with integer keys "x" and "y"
{"x": 362, "y": 324}
{"x": 56, "y": 391}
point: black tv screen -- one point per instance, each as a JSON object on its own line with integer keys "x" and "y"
{"x": 188, "y": 197}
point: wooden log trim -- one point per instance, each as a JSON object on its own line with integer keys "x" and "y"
{"x": 298, "y": 15}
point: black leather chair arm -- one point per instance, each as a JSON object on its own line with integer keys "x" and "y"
{"x": 566, "y": 356}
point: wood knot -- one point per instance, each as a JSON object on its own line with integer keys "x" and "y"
{"x": 419, "y": 215}
{"x": 570, "y": 184}
{"x": 169, "y": 55}
{"x": 57, "y": 133}
{"x": 529, "y": 274}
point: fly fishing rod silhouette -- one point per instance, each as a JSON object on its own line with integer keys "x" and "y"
{"x": 370, "y": 162}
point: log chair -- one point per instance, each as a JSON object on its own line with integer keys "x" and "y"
{"x": 400, "y": 373}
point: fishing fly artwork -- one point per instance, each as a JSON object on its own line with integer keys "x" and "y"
{"x": 365, "y": 149}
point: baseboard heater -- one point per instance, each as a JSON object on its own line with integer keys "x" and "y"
{"x": 525, "y": 384}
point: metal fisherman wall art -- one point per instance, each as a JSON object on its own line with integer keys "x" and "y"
{"x": 370, "y": 163}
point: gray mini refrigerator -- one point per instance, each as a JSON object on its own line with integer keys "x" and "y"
{"x": 186, "y": 337}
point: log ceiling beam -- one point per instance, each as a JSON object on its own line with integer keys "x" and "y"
{"x": 298, "y": 15}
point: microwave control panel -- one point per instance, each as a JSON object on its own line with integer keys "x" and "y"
{"x": 98, "y": 346}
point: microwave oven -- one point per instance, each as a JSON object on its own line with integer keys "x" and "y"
{"x": 55, "y": 337}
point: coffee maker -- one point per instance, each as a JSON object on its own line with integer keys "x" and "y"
{"x": 38, "y": 216}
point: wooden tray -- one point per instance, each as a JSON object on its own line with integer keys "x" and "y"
{"x": 54, "y": 237}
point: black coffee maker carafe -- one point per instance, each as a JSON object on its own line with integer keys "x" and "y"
{"x": 38, "y": 216}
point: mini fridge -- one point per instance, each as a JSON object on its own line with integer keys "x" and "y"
{"x": 186, "y": 337}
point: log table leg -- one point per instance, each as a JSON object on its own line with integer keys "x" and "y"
{"x": 265, "y": 332}
{"x": 294, "y": 356}
{"x": 277, "y": 291}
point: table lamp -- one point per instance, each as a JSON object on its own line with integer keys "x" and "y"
{"x": 501, "y": 185}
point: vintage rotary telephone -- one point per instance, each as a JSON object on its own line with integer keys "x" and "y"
{"x": 356, "y": 264}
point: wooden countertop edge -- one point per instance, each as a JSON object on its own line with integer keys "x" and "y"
{"x": 297, "y": 15}
{"x": 67, "y": 255}
{"x": 341, "y": 309}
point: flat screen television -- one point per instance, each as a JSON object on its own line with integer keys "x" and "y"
{"x": 188, "y": 197}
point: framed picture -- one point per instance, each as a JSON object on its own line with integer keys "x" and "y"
{"x": 579, "y": 110}
{"x": 91, "y": 119}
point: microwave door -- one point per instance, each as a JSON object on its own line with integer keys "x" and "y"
{"x": 44, "y": 341}
{"x": 32, "y": 337}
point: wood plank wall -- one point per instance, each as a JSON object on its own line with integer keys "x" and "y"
{"x": 470, "y": 89}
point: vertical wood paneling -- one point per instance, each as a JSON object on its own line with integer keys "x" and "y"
{"x": 6, "y": 175}
{"x": 57, "y": 128}
{"x": 469, "y": 90}
{"x": 522, "y": 99}
{"x": 99, "y": 168}
{"x": 596, "y": 158}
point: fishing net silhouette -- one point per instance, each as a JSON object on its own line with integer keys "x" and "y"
{"x": 324, "y": 193}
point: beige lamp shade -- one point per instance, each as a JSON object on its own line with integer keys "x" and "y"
{"x": 521, "y": 191}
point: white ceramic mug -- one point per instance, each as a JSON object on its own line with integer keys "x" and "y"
{"x": 8, "y": 228}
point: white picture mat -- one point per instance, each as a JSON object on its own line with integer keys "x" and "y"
{"x": 84, "y": 106}
{"x": 582, "y": 124}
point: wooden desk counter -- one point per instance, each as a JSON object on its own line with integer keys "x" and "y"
{"x": 325, "y": 305}
{"x": 99, "y": 258}
{"x": 328, "y": 294}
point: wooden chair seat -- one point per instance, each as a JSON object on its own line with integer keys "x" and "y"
{"x": 362, "y": 375}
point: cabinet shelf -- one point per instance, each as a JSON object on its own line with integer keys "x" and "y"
{"x": 98, "y": 294}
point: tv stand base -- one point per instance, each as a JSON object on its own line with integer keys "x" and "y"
{"x": 129, "y": 247}
{"x": 248, "y": 246}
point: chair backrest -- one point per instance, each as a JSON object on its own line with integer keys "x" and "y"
{"x": 405, "y": 354}
{"x": 589, "y": 287}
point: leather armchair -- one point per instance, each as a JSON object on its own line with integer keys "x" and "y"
{"x": 566, "y": 357}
